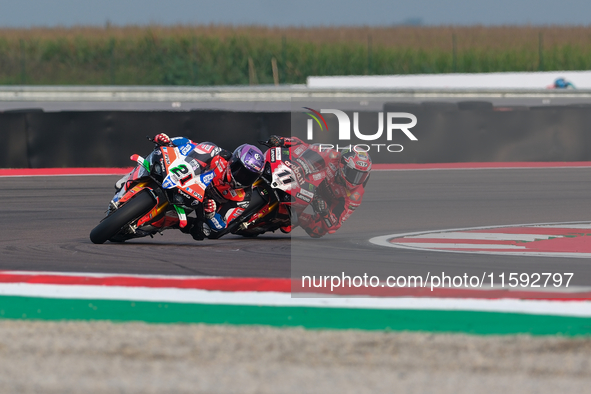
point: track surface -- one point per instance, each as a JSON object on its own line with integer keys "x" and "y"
{"x": 45, "y": 222}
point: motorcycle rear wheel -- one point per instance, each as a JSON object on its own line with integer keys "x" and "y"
{"x": 134, "y": 209}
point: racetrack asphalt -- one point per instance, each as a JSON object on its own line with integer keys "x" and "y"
{"x": 45, "y": 222}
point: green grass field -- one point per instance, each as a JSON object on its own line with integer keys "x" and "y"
{"x": 219, "y": 55}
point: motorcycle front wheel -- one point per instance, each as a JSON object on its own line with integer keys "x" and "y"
{"x": 134, "y": 209}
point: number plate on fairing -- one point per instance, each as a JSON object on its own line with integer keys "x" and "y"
{"x": 184, "y": 176}
{"x": 283, "y": 178}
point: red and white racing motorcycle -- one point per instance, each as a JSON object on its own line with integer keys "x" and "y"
{"x": 285, "y": 189}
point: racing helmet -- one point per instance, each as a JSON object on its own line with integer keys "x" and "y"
{"x": 560, "y": 83}
{"x": 354, "y": 168}
{"x": 245, "y": 166}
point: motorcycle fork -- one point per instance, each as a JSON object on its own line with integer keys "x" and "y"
{"x": 133, "y": 191}
{"x": 154, "y": 213}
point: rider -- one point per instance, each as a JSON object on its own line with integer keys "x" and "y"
{"x": 340, "y": 193}
{"x": 231, "y": 187}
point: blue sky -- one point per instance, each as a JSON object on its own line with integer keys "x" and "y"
{"x": 27, "y": 13}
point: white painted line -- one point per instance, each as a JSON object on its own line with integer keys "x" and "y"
{"x": 485, "y": 236}
{"x": 479, "y": 168}
{"x": 384, "y": 240}
{"x": 541, "y": 307}
{"x": 105, "y": 275}
{"x": 429, "y": 245}
{"x": 581, "y": 226}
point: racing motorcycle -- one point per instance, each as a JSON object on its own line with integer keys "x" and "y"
{"x": 283, "y": 192}
{"x": 169, "y": 184}
{"x": 158, "y": 194}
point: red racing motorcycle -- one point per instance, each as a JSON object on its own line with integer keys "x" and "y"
{"x": 283, "y": 192}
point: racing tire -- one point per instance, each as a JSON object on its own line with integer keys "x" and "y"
{"x": 250, "y": 235}
{"x": 134, "y": 209}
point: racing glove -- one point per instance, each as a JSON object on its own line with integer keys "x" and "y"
{"x": 162, "y": 139}
{"x": 275, "y": 141}
{"x": 320, "y": 206}
{"x": 209, "y": 208}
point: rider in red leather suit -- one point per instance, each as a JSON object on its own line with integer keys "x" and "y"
{"x": 340, "y": 193}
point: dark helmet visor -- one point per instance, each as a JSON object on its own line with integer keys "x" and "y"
{"x": 241, "y": 175}
{"x": 354, "y": 176}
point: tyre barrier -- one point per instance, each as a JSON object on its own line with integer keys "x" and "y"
{"x": 446, "y": 132}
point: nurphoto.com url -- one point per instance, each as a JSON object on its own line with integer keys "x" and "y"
{"x": 434, "y": 281}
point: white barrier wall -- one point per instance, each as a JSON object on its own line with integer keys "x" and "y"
{"x": 515, "y": 80}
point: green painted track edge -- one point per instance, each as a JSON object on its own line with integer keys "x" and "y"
{"x": 471, "y": 322}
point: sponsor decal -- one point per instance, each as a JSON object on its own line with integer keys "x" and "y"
{"x": 219, "y": 166}
{"x": 317, "y": 176}
{"x": 333, "y": 218}
{"x": 204, "y": 148}
{"x": 356, "y": 196}
{"x": 287, "y": 163}
{"x": 303, "y": 197}
{"x": 278, "y": 154}
{"x": 299, "y": 150}
{"x": 168, "y": 183}
{"x": 304, "y": 165}
{"x": 186, "y": 149}
{"x": 353, "y": 207}
{"x": 216, "y": 223}
{"x": 194, "y": 165}
{"x": 194, "y": 203}
{"x": 307, "y": 193}
{"x": 184, "y": 194}
{"x": 193, "y": 193}
{"x": 257, "y": 156}
{"x": 243, "y": 204}
{"x": 234, "y": 213}
{"x": 232, "y": 193}
{"x": 166, "y": 158}
{"x": 207, "y": 177}
{"x": 272, "y": 153}
{"x": 298, "y": 174}
{"x": 327, "y": 222}
{"x": 362, "y": 164}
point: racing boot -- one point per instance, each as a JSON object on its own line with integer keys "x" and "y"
{"x": 200, "y": 231}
